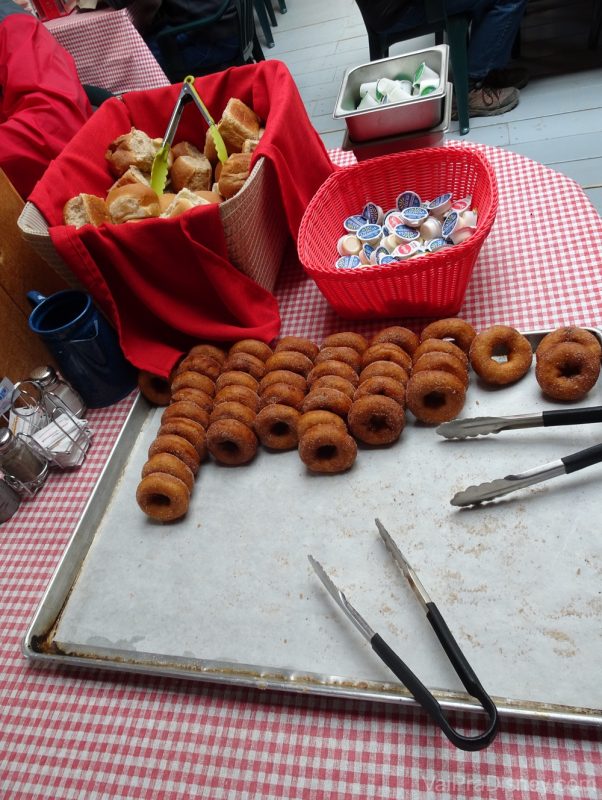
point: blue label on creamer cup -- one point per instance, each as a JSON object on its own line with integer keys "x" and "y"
{"x": 450, "y": 223}
{"x": 368, "y": 233}
{"x": 436, "y": 244}
{"x": 348, "y": 262}
{"x": 406, "y": 234}
{"x": 414, "y": 215}
{"x": 387, "y": 260}
{"x": 354, "y": 223}
{"x": 441, "y": 203}
{"x": 372, "y": 213}
{"x": 407, "y": 200}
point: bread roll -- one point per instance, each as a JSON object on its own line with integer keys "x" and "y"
{"x": 210, "y": 151}
{"x": 191, "y": 173}
{"x": 135, "y": 149}
{"x": 131, "y": 175}
{"x": 235, "y": 172}
{"x": 85, "y": 209}
{"x": 211, "y": 197}
{"x": 249, "y": 145}
{"x": 184, "y": 200}
{"x": 132, "y": 202}
{"x": 164, "y": 200}
{"x": 185, "y": 149}
{"x": 238, "y": 122}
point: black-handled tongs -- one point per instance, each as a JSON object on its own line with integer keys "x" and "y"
{"x": 481, "y": 426}
{"x": 416, "y": 688}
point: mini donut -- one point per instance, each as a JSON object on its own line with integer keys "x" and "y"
{"x": 385, "y": 368}
{"x": 434, "y": 396}
{"x": 177, "y": 446}
{"x": 197, "y": 396}
{"x": 327, "y": 449}
{"x": 346, "y": 339}
{"x": 189, "y": 430}
{"x": 231, "y": 442}
{"x": 155, "y": 388}
{"x": 444, "y": 361}
{"x": 327, "y": 400}
{"x": 193, "y": 380}
{"x": 210, "y": 350}
{"x": 386, "y": 351}
{"x": 567, "y": 371}
{"x": 440, "y": 346}
{"x": 345, "y": 354}
{"x": 254, "y": 347}
{"x": 290, "y": 360}
{"x": 163, "y": 496}
{"x": 334, "y": 382}
{"x": 235, "y": 377}
{"x": 245, "y": 362}
{"x": 186, "y": 409}
{"x": 239, "y": 394}
{"x": 402, "y": 337}
{"x": 233, "y": 410}
{"x": 283, "y": 376}
{"x": 375, "y": 419}
{"x": 495, "y": 341}
{"x": 282, "y": 393}
{"x": 578, "y": 335}
{"x": 381, "y": 385}
{"x": 298, "y": 345}
{"x": 338, "y": 368}
{"x": 166, "y": 462}
{"x": 204, "y": 365}
{"x": 458, "y": 330}
{"x": 276, "y": 426}
{"x": 318, "y": 417}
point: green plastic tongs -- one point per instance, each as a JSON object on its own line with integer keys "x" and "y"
{"x": 187, "y": 93}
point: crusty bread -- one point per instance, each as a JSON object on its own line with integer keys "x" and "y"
{"x": 135, "y": 148}
{"x": 238, "y": 122}
{"x": 185, "y": 149}
{"x": 184, "y": 200}
{"x": 131, "y": 175}
{"x": 164, "y": 201}
{"x": 210, "y": 151}
{"x": 211, "y": 196}
{"x": 132, "y": 202}
{"x": 249, "y": 145}
{"x": 190, "y": 172}
{"x": 235, "y": 172}
{"x": 85, "y": 209}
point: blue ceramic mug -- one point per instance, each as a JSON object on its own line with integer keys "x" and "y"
{"x": 85, "y": 346}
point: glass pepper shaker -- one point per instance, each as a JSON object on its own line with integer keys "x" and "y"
{"x": 52, "y": 385}
{"x": 9, "y": 501}
{"x": 24, "y": 469}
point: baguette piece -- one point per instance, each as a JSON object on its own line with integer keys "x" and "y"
{"x": 85, "y": 209}
{"x": 238, "y": 123}
{"x": 190, "y": 172}
{"x": 184, "y": 200}
{"x": 132, "y": 202}
{"x": 235, "y": 172}
{"x": 135, "y": 148}
{"x": 131, "y": 175}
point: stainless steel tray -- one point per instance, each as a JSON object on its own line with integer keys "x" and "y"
{"x": 228, "y": 596}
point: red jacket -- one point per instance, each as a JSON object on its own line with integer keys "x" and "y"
{"x": 42, "y": 102}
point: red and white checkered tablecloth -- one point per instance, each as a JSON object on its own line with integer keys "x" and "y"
{"x": 71, "y": 734}
{"x": 108, "y": 51}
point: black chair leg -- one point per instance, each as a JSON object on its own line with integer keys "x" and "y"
{"x": 257, "y": 51}
{"x": 262, "y": 15}
{"x": 282, "y": 6}
{"x": 596, "y": 25}
{"x": 270, "y": 9}
{"x": 457, "y": 34}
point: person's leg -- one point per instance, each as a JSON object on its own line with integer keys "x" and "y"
{"x": 495, "y": 24}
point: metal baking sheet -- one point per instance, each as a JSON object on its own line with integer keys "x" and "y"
{"x": 228, "y": 595}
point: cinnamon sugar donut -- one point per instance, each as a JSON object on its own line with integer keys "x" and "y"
{"x": 338, "y": 368}
{"x": 290, "y": 360}
{"x": 276, "y": 426}
{"x": 402, "y": 337}
{"x": 569, "y": 334}
{"x": 440, "y": 346}
{"x": 567, "y": 371}
{"x": 434, "y": 396}
{"x": 254, "y": 347}
{"x": 386, "y": 351}
{"x": 210, "y": 350}
{"x": 189, "y": 430}
{"x": 282, "y": 393}
{"x": 181, "y": 448}
{"x": 381, "y": 385}
{"x": 163, "y": 496}
{"x": 204, "y": 365}
{"x": 186, "y": 409}
{"x": 345, "y": 354}
{"x": 458, "y": 330}
{"x": 327, "y": 449}
{"x": 238, "y": 394}
{"x": 198, "y": 396}
{"x": 346, "y": 339}
{"x": 327, "y": 400}
{"x": 172, "y": 465}
{"x": 193, "y": 380}
{"x": 385, "y": 368}
{"x": 444, "y": 361}
{"x": 334, "y": 382}
{"x": 155, "y": 388}
{"x": 375, "y": 419}
{"x": 245, "y": 362}
{"x": 231, "y": 442}
{"x": 283, "y": 376}
{"x": 298, "y": 345}
{"x": 495, "y": 341}
{"x": 235, "y": 377}
{"x": 232, "y": 410}
{"x": 318, "y": 417}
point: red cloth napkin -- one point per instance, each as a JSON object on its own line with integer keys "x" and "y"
{"x": 167, "y": 284}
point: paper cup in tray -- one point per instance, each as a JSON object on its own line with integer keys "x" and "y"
{"x": 430, "y": 285}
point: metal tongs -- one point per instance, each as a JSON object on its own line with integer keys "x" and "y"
{"x": 416, "y": 688}
{"x": 481, "y": 426}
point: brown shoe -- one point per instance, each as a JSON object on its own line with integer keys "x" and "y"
{"x": 511, "y": 76}
{"x": 487, "y": 102}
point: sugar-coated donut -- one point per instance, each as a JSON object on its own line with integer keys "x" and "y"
{"x": 204, "y": 365}
{"x": 283, "y": 376}
{"x": 458, "y": 330}
{"x": 276, "y": 426}
{"x": 177, "y": 446}
{"x": 254, "y": 347}
{"x": 338, "y": 368}
{"x": 334, "y": 382}
{"x": 444, "y": 361}
{"x": 282, "y": 393}
{"x": 327, "y": 400}
{"x": 327, "y": 449}
{"x": 567, "y": 371}
{"x": 186, "y": 409}
{"x": 402, "y": 337}
{"x": 233, "y": 410}
{"x": 500, "y": 340}
{"x": 290, "y": 360}
{"x": 172, "y": 465}
{"x": 238, "y": 394}
{"x": 163, "y": 496}
{"x": 388, "y": 369}
{"x": 440, "y": 346}
{"x": 231, "y": 442}
{"x": 193, "y": 380}
{"x": 245, "y": 362}
{"x": 210, "y": 350}
{"x": 376, "y": 419}
{"x": 189, "y": 430}
{"x": 155, "y": 388}
{"x": 569, "y": 334}
{"x": 380, "y": 384}
{"x": 346, "y": 354}
{"x": 386, "y": 351}
{"x": 197, "y": 396}
{"x": 434, "y": 396}
{"x": 346, "y": 339}
{"x": 298, "y": 345}
{"x": 235, "y": 377}
{"x": 318, "y": 417}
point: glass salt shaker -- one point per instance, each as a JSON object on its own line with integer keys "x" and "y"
{"x": 50, "y": 382}
{"x": 9, "y": 501}
{"x": 24, "y": 469}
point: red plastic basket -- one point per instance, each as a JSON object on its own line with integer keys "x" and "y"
{"x": 430, "y": 285}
